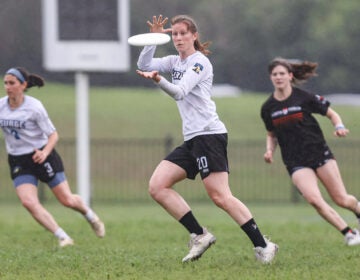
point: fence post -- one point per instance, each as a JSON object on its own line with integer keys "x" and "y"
{"x": 169, "y": 143}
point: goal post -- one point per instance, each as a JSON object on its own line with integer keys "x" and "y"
{"x": 84, "y": 36}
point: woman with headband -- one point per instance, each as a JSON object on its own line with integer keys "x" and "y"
{"x": 30, "y": 139}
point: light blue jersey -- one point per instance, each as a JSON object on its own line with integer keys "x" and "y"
{"x": 26, "y": 127}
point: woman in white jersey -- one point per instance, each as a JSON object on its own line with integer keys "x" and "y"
{"x": 204, "y": 149}
{"x": 30, "y": 139}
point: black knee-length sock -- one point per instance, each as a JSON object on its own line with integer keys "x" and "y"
{"x": 253, "y": 232}
{"x": 191, "y": 224}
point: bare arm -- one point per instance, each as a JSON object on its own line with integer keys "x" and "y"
{"x": 340, "y": 129}
{"x": 271, "y": 143}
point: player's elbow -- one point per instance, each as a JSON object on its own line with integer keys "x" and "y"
{"x": 143, "y": 67}
{"x": 178, "y": 97}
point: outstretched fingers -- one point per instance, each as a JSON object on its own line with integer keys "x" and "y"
{"x": 157, "y": 24}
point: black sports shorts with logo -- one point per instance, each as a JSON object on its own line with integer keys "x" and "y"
{"x": 313, "y": 164}
{"x": 202, "y": 154}
{"x": 45, "y": 172}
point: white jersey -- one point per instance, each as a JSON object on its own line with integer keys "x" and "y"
{"x": 26, "y": 127}
{"x": 191, "y": 85}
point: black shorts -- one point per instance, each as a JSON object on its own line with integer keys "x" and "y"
{"x": 314, "y": 164}
{"x": 203, "y": 153}
{"x": 45, "y": 172}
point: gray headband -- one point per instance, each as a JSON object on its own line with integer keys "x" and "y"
{"x": 17, "y": 74}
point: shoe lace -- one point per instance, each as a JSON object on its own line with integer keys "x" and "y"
{"x": 194, "y": 240}
{"x": 259, "y": 250}
{"x": 350, "y": 236}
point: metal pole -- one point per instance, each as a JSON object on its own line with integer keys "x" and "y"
{"x": 82, "y": 136}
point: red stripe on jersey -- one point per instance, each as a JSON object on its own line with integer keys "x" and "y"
{"x": 293, "y": 118}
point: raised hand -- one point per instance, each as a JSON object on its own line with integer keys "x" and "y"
{"x": 157, "y": 25}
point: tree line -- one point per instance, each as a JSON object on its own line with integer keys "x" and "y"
{"x": 245, "y": 35}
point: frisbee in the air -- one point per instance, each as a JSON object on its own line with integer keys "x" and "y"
{"x": 149, "y": 39}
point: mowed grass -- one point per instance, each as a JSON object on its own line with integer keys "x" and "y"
{"x": 143, "y": 242}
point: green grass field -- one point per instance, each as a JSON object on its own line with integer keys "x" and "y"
{"x": 136, "y": 114}
{"x": 143, "y": 242}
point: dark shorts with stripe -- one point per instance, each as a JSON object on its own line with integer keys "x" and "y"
{"x": 202, "y": 154}
{"x": 314, "y": 164}
{"x": 45, "y": 172}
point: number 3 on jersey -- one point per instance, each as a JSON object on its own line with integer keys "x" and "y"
{"x": 15, "y": 134}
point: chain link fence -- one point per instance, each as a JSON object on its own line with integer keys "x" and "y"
{"x": 120, "y": 170}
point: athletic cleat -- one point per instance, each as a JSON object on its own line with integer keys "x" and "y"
{"x": 98, "y": 227}
{"x": 267, "y": 254}
{"x": 352, "y": 238}
{"x": 66, "y": 242}
{"x": 198, "y": 245}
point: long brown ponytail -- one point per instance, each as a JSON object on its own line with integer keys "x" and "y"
{"x": 302, "y": 70}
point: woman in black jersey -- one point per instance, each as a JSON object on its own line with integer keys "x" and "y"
{"x": 287, "y": 115}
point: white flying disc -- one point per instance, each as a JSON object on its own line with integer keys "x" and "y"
{"x": 149, "y": 39}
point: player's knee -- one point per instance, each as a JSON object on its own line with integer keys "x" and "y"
{"x": 316, "y": 202}
{"x": 153, "y": 189}
{"x": 69, "y": 201}
{"x": 156, "y": 189}
{"x": 29, "y": 204}
{"x": 342, "y": 201}
{"x": 319, "y": 204}
{"x": 155, "y": 193}
{"x": 219, "y": 200}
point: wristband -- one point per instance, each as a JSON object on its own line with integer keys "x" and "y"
{"x": 339, "y": 126}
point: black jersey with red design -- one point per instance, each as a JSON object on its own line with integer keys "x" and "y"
{"x": 299, "y": 135}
